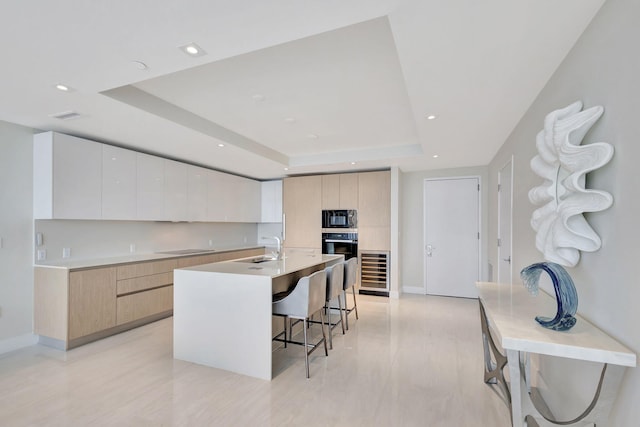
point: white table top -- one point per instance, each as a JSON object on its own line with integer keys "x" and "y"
{"x": 511, "y": 311}
{"x": 293, "y": 262}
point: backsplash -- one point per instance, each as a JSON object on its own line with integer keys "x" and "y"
{"x": 84, "y": 239}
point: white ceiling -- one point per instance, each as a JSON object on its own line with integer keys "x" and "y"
{"x": 359, "y": 75}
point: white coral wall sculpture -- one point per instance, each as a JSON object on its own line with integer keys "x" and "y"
{"x": 561, "y": 229}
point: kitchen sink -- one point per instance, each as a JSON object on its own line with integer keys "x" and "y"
{"x": 187, "y": 251}
{"x": 257, "y": 260}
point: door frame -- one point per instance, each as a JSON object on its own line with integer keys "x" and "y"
{"x": 424, "y": 229}
{"x": 499, "y": 242}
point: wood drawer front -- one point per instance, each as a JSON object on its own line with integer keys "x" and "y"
{"x": 137, "y": 284}
{"x": 198, "y": 260}
{"x": 92, "y": 296}
{"x": 142, "y": 304}
{"x": 146, "y": 268}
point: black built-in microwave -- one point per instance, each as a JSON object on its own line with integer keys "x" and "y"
{"x": 340, "y": 218}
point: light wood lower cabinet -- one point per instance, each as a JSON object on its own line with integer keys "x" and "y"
{"x": 143, "y": 304}
{"x": 92, "y": 305}
{"x": 74, "y": 307}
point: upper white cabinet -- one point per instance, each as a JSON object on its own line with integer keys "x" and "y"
{"x": 175, "y": 191}
{"x": 197, "y": 183}
{"x": 75, "y": 178}
{"x": 118, "y": 183}
{"x": 271, "y": 201}
{"x": 150, "y": 187}
{"x": 67, "y": 177}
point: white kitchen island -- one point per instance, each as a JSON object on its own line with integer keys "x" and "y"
{"x": 222, "y": 311}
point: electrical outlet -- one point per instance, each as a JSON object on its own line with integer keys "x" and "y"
{"x": 210, "y": 243}
{"x": 66, "y": 252}
{"x": 132, "y": 248}
{"x": 39, "y": 239}
{"x": 41, "y": 254}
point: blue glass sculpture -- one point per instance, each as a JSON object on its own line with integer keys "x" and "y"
{"x": 566, "y": 295}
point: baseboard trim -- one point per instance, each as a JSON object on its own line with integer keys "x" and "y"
{"x": 413, "y": 290}
{"x": 16, "y": 343}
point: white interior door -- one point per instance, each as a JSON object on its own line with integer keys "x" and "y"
{"x": 452, "y": 238}
{"x": 505, "y": 207}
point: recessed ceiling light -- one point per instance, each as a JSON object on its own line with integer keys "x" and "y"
{"x": 312, "y": 136}
{"x": 139, "y": 65}
{"x": 286, "y": 169}
{"x": 66, "y": 115}
{"x": 353, "y": 163}
{"x": 290, "y": 120}
{"x": 221, "y": 145}
{"x": 193, "y": 49}
{"x": 435, "y": 156}
{"x": 258, "y": 97}
{"x": 431, "y": 117}
{"x": 63, "y": 88}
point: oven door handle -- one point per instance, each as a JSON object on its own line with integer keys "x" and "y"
{"x": 340, "y": 241}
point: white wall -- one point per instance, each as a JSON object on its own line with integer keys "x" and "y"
{"x": 16, "y": 272}
{"x": 412, "y": 220}
{"x": 602, "y": 69}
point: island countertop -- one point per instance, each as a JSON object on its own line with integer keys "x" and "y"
{"x": 273, "y": 268}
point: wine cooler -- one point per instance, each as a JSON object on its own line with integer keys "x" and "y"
{"x": 374, "y": 272}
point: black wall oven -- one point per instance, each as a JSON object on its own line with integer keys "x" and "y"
{"x": 340, "y": 244}
{"x": 341, "y": 218}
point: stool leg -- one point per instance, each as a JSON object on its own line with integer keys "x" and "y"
{"x": 340, "y": 313}
{"x": 306, "y": 348}
{"x": 285, "y": 331}
{"x": 355, "y": 305}
{"x": 346, "y": 313}
{"x": 324, "y": 336}
{"x": 328, "y": 313}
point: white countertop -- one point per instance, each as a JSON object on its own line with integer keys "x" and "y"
{"x": 127, "y": 259}
{"x": 511, "y": 311}
{"x": 293, "y": 262}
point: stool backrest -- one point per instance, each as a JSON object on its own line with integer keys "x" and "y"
{"x": 335, "y": 280}
{"x": 317, "y": 291}
{"x": 350, "y": 272}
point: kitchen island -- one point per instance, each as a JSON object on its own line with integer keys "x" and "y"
{"x": 222, "y": 312}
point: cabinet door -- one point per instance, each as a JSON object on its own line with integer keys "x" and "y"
{"x": 374, "y": 199}
{"x": 272, "y": 201}
{"x": 197, "y": 182}
{"x": 77, "y": 178}
{"x": 331, "y": 191}
{"x": 216, "y": 196}
{"x": 349, "y": 184}
{"x": 118, "y": 183}
{"x": 248, "y": 200}
{"x": 92, "y": 301}
{"x": 175, "y": 191}
{"x": 302, "y": 204}
{"x": 374, "y": 210}
{"x": 150, "y": 187}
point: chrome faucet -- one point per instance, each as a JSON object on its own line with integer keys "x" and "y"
{"x": 278, "y": 254}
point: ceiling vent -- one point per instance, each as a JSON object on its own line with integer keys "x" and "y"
{"x": 67, "y": 115}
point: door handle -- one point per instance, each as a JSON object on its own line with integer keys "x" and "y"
{"x": 507, "y": 259}
{"x": 429, "y": 249}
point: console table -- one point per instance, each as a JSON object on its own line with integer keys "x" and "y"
{"x": 508, "y": 318}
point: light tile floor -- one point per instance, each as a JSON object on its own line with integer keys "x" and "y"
{"x": 416, "y": 361}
